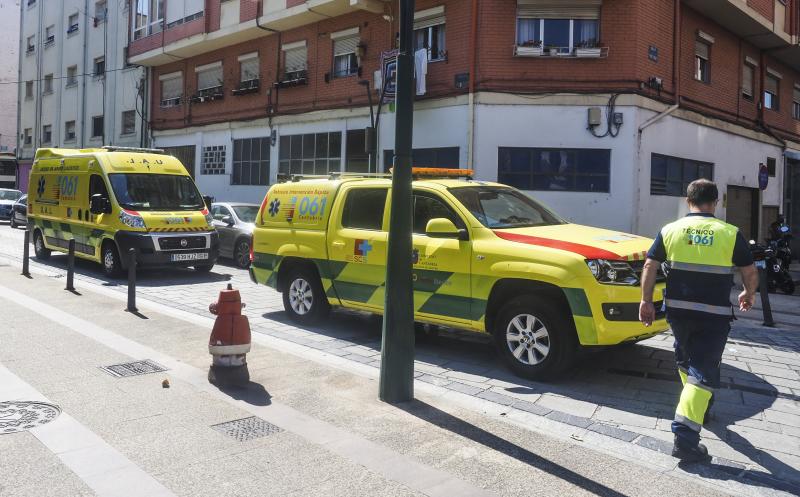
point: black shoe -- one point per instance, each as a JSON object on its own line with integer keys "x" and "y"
{"x": 691, "y": 454}
{"x": 709, "y": 416}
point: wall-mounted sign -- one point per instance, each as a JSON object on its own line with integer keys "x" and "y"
{"x": 389, "y": 72}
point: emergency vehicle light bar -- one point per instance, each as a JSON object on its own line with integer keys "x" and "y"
{"x": 111, "y": 148}
{"x": 435, "y": 172}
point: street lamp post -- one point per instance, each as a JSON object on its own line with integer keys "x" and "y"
{"x": 397, "y": 351}
{"x": 371, "y": 132}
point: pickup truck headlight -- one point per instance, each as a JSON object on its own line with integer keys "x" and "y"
{"x": 613, "y": 272}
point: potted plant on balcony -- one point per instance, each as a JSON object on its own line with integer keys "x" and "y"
{"x": 588, "y": 49}
{"x": 530, "y": 48}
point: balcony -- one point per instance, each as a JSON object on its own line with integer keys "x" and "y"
{"x": 157, "y": 47}
{"x": 208, "y": 95}
{"x": 247, "y": 87}
{"x": 293, "y": 78}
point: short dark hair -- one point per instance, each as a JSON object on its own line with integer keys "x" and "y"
{"x": 701, "y": 192}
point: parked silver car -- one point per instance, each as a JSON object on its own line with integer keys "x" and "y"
{"x": 7, "y": 199}
{"x": 234, "y": 222}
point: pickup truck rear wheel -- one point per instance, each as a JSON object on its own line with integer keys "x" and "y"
{"x": 303, "y": 296}
{"x": 535, "y": 337}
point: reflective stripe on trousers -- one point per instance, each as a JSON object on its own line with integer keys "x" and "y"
{"x": 697, "y": 306}
{"x": 700, "y": 268}
{"x": 693, "y": 404}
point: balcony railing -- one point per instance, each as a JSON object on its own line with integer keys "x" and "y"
{"x": 245, "y": 87}
{"x": 561, "y": 52}
{"x": 208, "y": 95}
{"x": 293, "y": 78}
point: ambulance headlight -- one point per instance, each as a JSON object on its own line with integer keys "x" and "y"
{"x": 612, "y": 272}
{"x": 131, "y": 219}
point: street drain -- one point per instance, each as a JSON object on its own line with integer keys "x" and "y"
{"x": 19, "y": 416}
{"x": 134, "y": 368}
{"x": 247, "y": 428}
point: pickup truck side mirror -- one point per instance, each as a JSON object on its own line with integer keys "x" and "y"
{"x": 227, "y": 220}
{"x": 99, "y": 204}
{"x": 441, "y": 227}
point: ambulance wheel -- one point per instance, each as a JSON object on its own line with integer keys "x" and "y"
{"x": 534, "y": 337}
{"x": 112, "y": 265}
{"x": 39, "y": 248}
{"x": 303, "y": 296}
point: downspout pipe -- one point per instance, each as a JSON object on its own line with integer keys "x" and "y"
{"x": 19, "y": 144}
{"x": 473, "y": 63}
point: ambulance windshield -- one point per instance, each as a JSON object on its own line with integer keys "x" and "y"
{"x": 498, "y": 207}
{"x": 156, "y": 192}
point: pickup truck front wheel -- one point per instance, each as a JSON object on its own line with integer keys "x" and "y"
{"x": 534, "y": 338}
{"x": 304, "y": 298}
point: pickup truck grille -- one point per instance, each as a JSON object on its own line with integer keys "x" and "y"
{"x": 638, "y": 267}
{"x": 177, "y": 242}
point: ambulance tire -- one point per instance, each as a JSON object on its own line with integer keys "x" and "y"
{"x": 305, "y": 280}
{"x": 549, "y": 331}
{"x": 42, "y": 252}
{"x": 110, "y": 260}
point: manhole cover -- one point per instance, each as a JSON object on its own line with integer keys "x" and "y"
{"x": 247, "y": 428}
{"x": 133, "y": 368}
{"x": 20, "y": 415}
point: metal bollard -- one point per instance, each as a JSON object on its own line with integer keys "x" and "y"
{"x": 71, "y": 266}
{"x": 132, "y": 281}
{"x": 763, "y": 290}
{"x": 26, "y": 253}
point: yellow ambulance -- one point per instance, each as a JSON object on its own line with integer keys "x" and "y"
{"x": 486, "y": 258}
{"x": 112, "y": 199}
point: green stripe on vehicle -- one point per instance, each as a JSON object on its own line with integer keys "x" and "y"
{"x": 578, "y": 302}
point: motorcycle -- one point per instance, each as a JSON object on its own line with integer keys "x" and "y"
{"x": 779, "y": 241}
{"x": 778, "y": 276}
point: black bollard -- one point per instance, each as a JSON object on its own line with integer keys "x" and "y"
{"x": 71, "y": 266}
{"x": 26, "y": 254}
{"x": 132, "y": 281}
{"x": 763, "y": 289}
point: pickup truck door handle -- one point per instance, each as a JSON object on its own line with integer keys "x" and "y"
{"x": 338, "y": 244}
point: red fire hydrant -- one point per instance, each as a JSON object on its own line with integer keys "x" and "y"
{"x": 230, "y": 340}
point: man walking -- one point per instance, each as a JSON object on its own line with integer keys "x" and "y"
{"x": 701, "y": 252}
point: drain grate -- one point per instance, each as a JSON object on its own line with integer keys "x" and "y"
{"x": 18, "y": 416}
{"x": 134, "y": 368}
{"x": 247, "y": 428}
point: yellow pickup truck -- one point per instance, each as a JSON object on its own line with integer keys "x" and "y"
{"x": 486, "y": 258}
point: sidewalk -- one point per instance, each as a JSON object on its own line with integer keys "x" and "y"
{"x": 319, "y": 429}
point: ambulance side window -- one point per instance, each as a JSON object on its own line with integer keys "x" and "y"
{"x": 363, "y": 208}
{"x": 428, "y": 206}
{"x": 97, "y": 185}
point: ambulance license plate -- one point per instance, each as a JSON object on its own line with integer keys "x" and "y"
{"x": 189, "y": 257}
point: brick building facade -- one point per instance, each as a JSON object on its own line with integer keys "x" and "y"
{"x": 682, "y": 89}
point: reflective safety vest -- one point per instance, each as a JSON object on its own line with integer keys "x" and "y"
{"x": 700, "y": 258}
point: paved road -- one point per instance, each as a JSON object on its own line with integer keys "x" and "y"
{"x": 626, "y": 395}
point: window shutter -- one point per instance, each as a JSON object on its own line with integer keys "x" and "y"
{"x": 209, "y": 78}
{"x": 172, "y": 88}
{"x": 551, "y": 9}
{"x": 175, "y": 10}
{"x": 771, "y": 84}
{"x": 747, "y": 80}
{"x": 250, "y": 69}
{"x": 429, "y": 17}
{"x": 344, "y": 46}
{"x": 701, "y": 49}
{"x": 295, "y": 59}
{"x": 797, "y": 94}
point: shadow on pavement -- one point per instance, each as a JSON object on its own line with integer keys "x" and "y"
{"x": 467, "y": 430}
{"x": 254, "y": 394}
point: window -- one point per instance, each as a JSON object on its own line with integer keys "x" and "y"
{"x": 295, "y": 57}
{"x": 771, "y": 166}
{"x": 796, "y": 102}
{"x": 316, "y": 153}
{"x": 251, "y": 161}
{"x": 748, "y": 81}
{"x": 185, "y": 154}
{"x": 672, "y": 175}
{"x": 148, "y": 18}
{"x": 28, "y": 89}
{"x": 69, "y": 131}
{"x": 702, "y": 65}
{"x": 50, "y": 36}
{"x": 213, "y": 160}
{"x": 249, "y": 67}
{"x": 31, "y": 44}
{"x": 128, "y": 122}
{"x": 98, "y": 126}
{"x": 209, "y": 77}
{"x": 560, "y": 27}
{"x": 72, "y": 75}
{"x": 27, "y": 136}
{"x": 99, "y": 12}
{"x": 446, "y": 157}
{"x": 171, "y": 89}
{"x": 99, "y": 66}
{"x": 357, "y": 158}
{"x": 570, "y": 170}
{"x": 427, "y": 207}
{"x": 218, "y": 212}
{"x": 48, "y": 83}
{"x": 501, "y": 207}
{"x": 97, "y": 186}
{"x": 771, "y": 87}
{"x": 429, "y": 32}
{"x": 182, "y": 11}
{"x": 345, "y": 45}
{"x": 47, "y": 133}
{"x": 363, "y": 208}
{"x": 72, "y": 23}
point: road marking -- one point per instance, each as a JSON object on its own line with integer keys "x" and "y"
{"x": 382, "y": 460}
{"x": 105, "y": 470}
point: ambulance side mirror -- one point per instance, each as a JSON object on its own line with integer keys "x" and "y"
{"x": 98, "y": 204}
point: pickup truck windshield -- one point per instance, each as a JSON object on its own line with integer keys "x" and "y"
{"x": 498, "y": 207}
{"x": 156, "y": 192}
